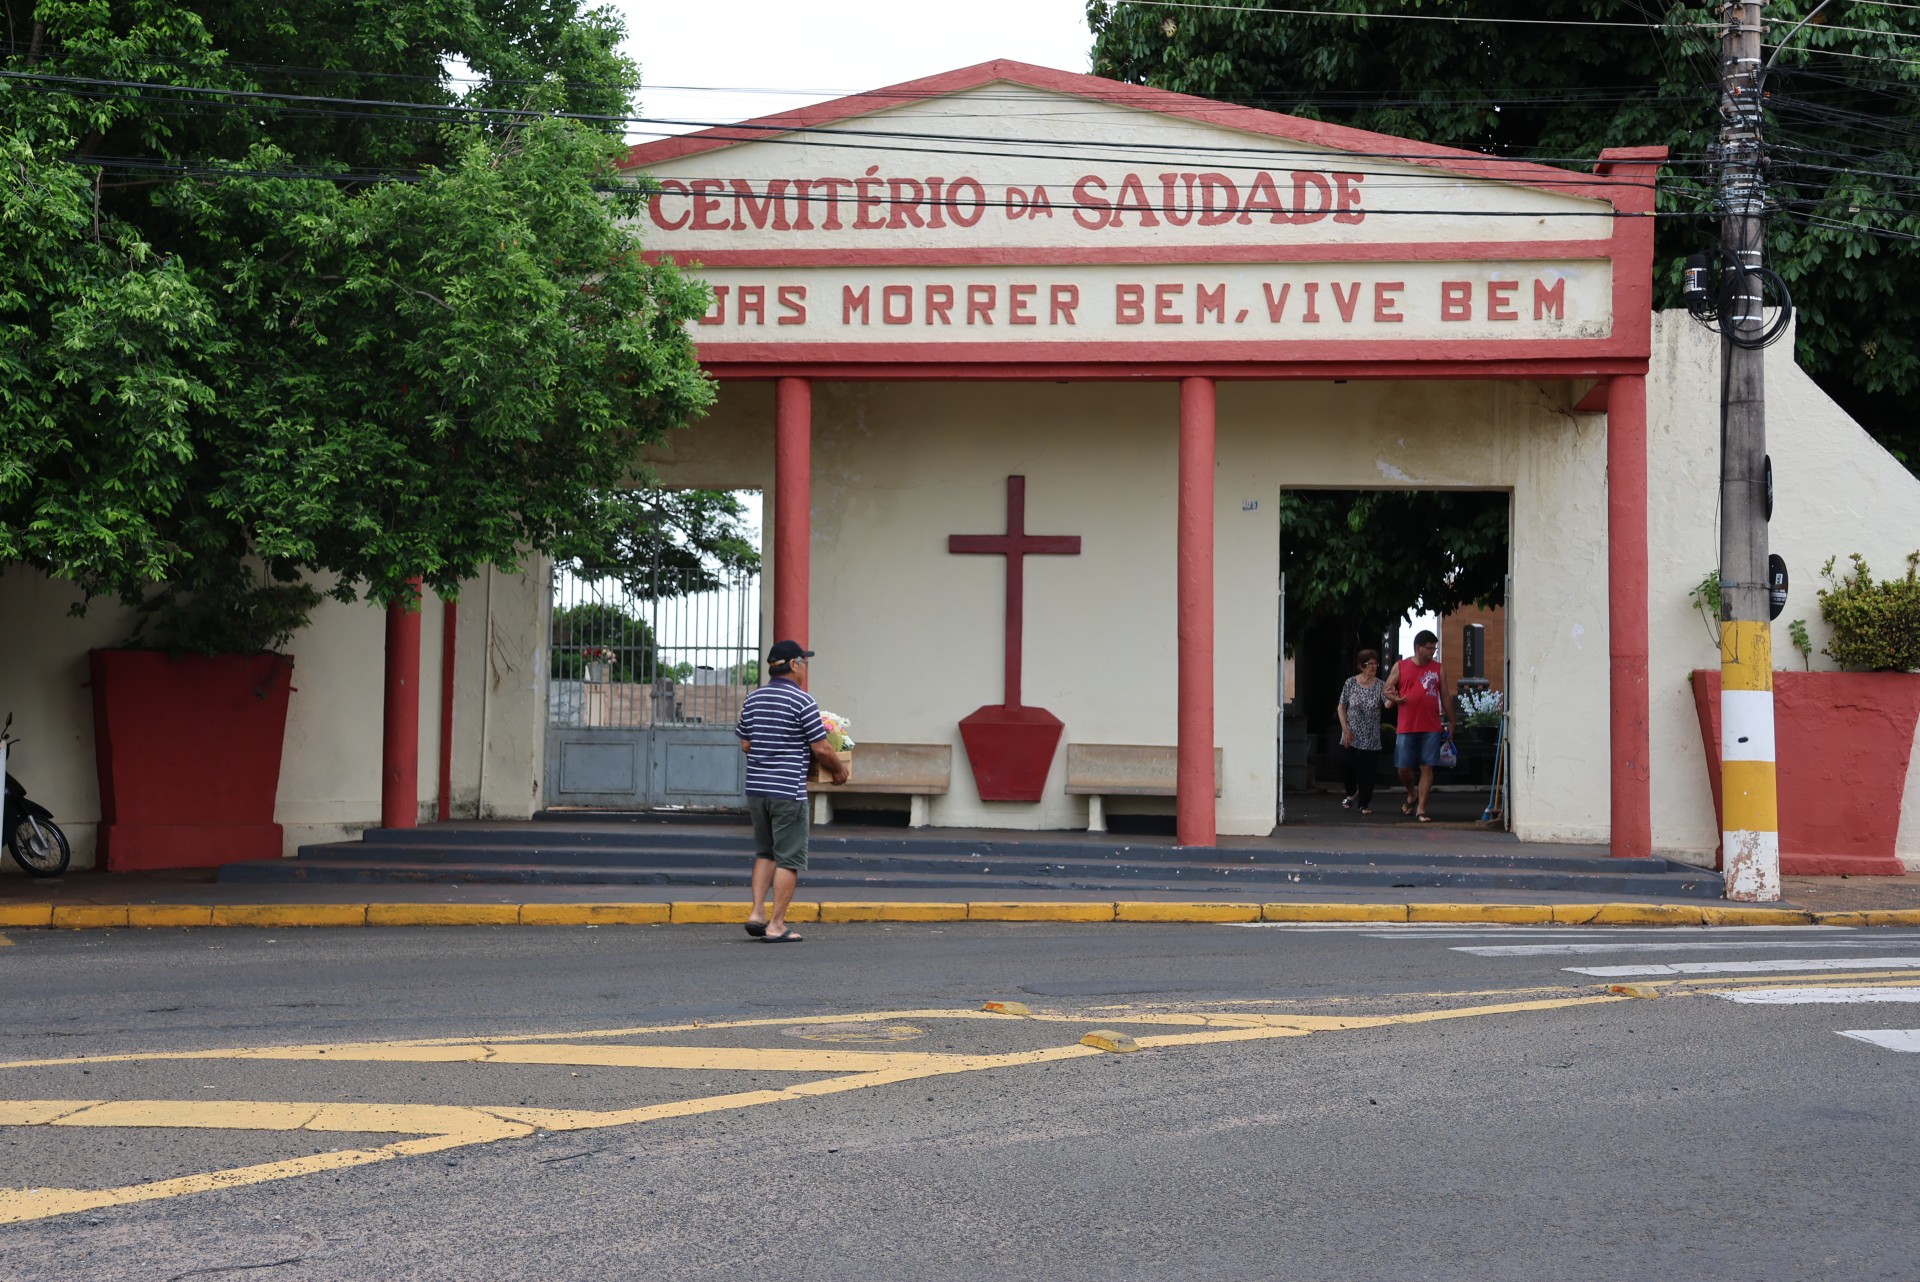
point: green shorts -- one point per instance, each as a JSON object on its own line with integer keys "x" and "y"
{"x": 779, "y": 831}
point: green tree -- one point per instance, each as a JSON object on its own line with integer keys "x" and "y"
{"x": 289, "y": 297}
{"x": 602, "y": 626}
{"x": 1843, "y": 128}
{"x": 661, "y": 543}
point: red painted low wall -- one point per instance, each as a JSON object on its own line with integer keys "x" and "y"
{"x": 188, "y": 750}
{"x": 1842, "y": 742}
{"x": 1010, "y": 750}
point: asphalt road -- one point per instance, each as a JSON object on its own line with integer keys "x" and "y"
{"x": 678, "y": 1102}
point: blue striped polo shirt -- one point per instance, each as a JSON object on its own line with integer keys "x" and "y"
{"x": 779, "y": 720}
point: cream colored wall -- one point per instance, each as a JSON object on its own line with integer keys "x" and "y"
{"x": 910, "y": 636}
{"x": 330, "y": 770}
{"x": 1836, "y": 492}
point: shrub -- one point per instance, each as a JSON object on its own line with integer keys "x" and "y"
{"x": 1876, "y": 626}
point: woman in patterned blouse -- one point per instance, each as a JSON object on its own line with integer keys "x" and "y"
{"x": 1361, "y": 703}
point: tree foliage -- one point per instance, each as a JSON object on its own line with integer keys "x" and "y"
{"x": 284, "y": 299}
{"x": 666, "y": 542}
{"x": 1357, "y": 559}
{"x": 1843, "y": 125}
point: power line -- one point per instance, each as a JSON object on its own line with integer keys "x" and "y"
{"x": 1419, "y": 17}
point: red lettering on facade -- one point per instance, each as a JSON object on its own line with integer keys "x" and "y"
{"x": 1345, "y": 303}
{"x": 1386, "y": 297}
{"x": 1165, "y": 299}
{"x": 852, "y": 300}
{"x": 1210, "y": 300}
{"x": 1550, "y": 300}
{"x": 1129, "y": 304}
{"x": 753, "y": 301}
{"x": 866, "y": 201}
{"x": 896, "y": 315}
{"x": 980, "y": 303}
{"x": 1062, "y": 302}
{"x": 1091, "y": 209}
{"x": 1018, "y": 299}
{"x": 755, "y": 209}
{"x": 1184, "y": 215}
{"x": 961, "y": 216}
{"x": 940, "y": 303}
{"x": 1303, "y": 182}
{"x": 668, "y": 186}
{"x": 1456, "y": 300}
{"x": 905, "y": 195}
{"x": 794, "y": 299}
{"x": 1263, "y": 197}
{"x": 832, "y": 187}
{"x": 718, "y": 316}
{"x": 705, "y": 206}
{"x": 1347, "y": 199}
{"x": 1133, "y": 196}
{"x": 1219, "y": 200}
{"x": 1500, "y": 300}
{"x": 1276, "y": 303}
{"x": 1311, "y": 314}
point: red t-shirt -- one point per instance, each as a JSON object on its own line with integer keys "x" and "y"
{"x": 1419, "y": 688}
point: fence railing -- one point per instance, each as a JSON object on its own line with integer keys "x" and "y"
{"x": 665, "y": 647}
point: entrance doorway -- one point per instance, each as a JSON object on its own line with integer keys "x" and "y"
{"x": 649, "y": 666}
{"x": 1366, "y": 570}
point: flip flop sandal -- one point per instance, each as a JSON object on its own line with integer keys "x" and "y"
{"x": 758, "y": 929}
{"x": 787, "y": 936}
{"x": 1406, "y": 807}
{"x": 1424, "y": 818}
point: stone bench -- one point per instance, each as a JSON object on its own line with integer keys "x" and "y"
{"x": 919, "y": 771}
{"x": 1100, "y": 770}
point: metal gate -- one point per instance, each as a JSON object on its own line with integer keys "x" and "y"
{"x": 647, "y": 674}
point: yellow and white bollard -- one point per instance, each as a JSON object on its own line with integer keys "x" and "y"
{"x": 1749, "y": 798}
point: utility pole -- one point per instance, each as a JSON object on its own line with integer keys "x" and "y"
{"x": 1750, "y": 825}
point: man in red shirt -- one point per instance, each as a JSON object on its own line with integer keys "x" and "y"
{"x": 1417, "y": 691}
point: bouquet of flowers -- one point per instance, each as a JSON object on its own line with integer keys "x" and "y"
{"x": 599, "y": 654}
{"x": 837, "y": 726}
{"x": 1481, "y": 707}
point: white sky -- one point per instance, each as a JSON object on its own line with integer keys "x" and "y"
{"x": 775, "y": 55}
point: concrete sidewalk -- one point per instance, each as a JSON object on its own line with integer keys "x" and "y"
{"x": 195, "y": 897}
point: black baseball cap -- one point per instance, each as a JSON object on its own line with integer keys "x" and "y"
{"x": 787, "y": 652}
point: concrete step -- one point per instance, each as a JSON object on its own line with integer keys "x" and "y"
{"x": 615, "y": 848}
{"x": 1000, "y": 877}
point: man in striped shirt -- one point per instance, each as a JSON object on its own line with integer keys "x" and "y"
{"x": 780, "y": 730}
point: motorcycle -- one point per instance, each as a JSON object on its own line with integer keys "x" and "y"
{"x": 32, "y": 838}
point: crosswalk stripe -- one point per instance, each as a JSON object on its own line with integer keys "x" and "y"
{"x": 1550, "y": 950}
{"x": 1893, "y": 1039}
{"x": 1816, "y": 996}
{"x": 1742, "y": 967}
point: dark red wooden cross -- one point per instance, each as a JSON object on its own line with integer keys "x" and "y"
{"x": 1016, "y": 544}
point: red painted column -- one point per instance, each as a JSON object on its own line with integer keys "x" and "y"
{"x": 400, "y": 720}
{"x": 792, "y": 506}
{"x": 1631, "y": 808}
{"x": 1194, "y": 824}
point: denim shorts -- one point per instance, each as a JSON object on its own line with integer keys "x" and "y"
{"x": 1416, "y": 748}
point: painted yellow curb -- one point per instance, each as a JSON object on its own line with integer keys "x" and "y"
{"x": 1627, "y": 915}
{"x": 150, "y": 915}
{"x": 595, "y": 914}
{"x": 703, "y": 912}
{"x": 26, "y": 914}
{"x": 850, "y": 911}
{"x": 89, "y": 916}
{"x": 1333, "y": 912}
{"x": 1712, "y": 916}
{"x": 1512, "y": 914}
{"x": 1871, "y": 917}
{"x": 1143, "y": 911}
{"x": 1039, "y": 912}
{"x": 443, "y": 914}
{"x": 289, "y": 915}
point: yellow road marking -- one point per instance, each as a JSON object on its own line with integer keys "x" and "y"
{"x": 442, "y": 1127}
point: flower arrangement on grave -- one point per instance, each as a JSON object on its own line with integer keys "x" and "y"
{"x": 1481, "y": 708}
{"x": 599, "y": 654}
